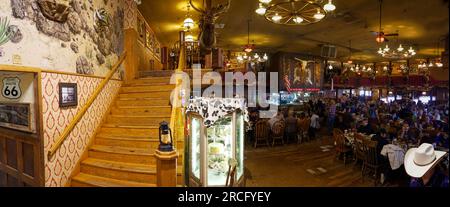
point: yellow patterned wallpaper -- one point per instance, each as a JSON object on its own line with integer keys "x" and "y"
{"x": 56, "y": 119}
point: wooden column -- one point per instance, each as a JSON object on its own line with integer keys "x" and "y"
{"x": 166, "y": 168}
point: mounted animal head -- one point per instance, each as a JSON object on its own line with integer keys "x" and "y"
{"x": 209, "y": 15}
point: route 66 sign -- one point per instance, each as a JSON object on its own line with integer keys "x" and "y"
{"x": 11, "y": 88}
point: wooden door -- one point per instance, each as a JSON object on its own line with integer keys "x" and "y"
{"x": 19, "y": 159}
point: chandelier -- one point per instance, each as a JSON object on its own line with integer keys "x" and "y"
{"x": 398, "y": 53}
{"x": 294, "y": 12}
{"x": 188, "y": 23}
{"x": 256, "y": 58}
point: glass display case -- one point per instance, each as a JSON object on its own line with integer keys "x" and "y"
{"x": 210, "y": 147}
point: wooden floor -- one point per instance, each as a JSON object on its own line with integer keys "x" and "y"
{"x": 303, "y": 165}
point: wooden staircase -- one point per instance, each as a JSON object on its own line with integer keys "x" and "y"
{"x": 122, "y": 154}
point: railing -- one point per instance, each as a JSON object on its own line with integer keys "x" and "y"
{"x": 177, "y": 116}
{"x": 83, "y": 110}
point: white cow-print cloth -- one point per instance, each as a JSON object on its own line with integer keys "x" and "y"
{"x": 213, "y": 109}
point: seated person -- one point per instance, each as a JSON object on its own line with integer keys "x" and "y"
{"x": 365, "y": 128}
{"x": 441, "y": 140}
{"x": 423, "y": 165}
{"x": 278, "y": 117}
{"x": 382, "y": 139}
{"x": 291, "y": 126}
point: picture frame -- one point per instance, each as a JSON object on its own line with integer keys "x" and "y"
{"x": 16, "y": 116}
{"x": 149, "y": 39}
{"x": 68, "y": 95}
{"x": 142, "y": 30}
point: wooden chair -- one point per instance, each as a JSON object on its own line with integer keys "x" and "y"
{"x": 303, "y": 130}
{"x": 261, "y": 132}
{"x": 337, "y": 131}
{"x": 371, "y": 162}
{"x": 359, "y": 152}
{"x": 278, "y": 132}
{"x": 341, "y": 147}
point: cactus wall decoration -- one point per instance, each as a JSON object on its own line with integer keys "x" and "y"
{"x": 4, "y": 35}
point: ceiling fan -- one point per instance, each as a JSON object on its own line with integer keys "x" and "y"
{"x": 380, "y": 35}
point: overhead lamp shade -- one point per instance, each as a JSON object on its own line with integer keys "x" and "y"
{"x": 261, "y": 10}
{"x": 256, "y": 56}
{"x": 276, "y": 17}
{"x": 380, "y": 51}
{"x": 386, "y": 49}
{"x": 265, "y": 1}
{"x": 189, "y": 38}
{"x": 380, "y": 39}
{"x": 266, "y": 57}
{"x": 298, "y": 20}
{"x": 188, "y": 23}
{"x": 329, "y": 7}
{"x": 400, "y": 48}
{"x": 319, "y": 15}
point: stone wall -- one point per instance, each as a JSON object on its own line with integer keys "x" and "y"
{"x": 79, "y": 36}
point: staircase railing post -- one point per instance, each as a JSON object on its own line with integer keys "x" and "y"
{"x": 166, "y": 168}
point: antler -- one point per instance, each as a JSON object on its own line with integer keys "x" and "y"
{"x": 222, "y": 8}
{"x": 195, "y": 8}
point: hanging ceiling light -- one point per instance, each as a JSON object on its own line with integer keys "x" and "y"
{"x": 276, "y": 18}
{"x": 295, "y": 12}
{"x": 188, "y": 23}
{"x": 330, "y": 67}
{"x": 298, "y": 20}
{"x": 329, "y": 7}
{"x": 261, "y": 10}
{"x": 189, "y": 38}
{"x": 319, "y": 15}
{"x": 265, "y": 1}
{"x": 400, "y": 48}
{"x": 265, "y": 56}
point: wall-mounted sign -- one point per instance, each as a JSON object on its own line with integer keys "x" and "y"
{"x": 68, "y": 94}
{"x": 11, "y": 88}
{"x": 17, "y": 60}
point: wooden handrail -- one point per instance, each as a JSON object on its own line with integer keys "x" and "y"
{"x": 84, "y": 109}
{"x": 176, "y": 100}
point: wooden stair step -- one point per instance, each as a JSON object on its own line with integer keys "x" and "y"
{"x": 125, "y": 126}
{"x": 123, "y": 150}
{"x": 123, "y": 154}
{"x": 144, "y": 111}
{"x": 119, "y": 170}
{"x": 147, "y": 88}
{"x": 154, "y": 102}
{"x": 130, "y": 132}
{"x": 153, "y": 94}
{"x": 86, "y": 180}
{"x": 131, "y": 142}
{"x": 138, "y": 121}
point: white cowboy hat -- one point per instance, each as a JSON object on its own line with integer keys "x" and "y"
{"x": 419, "y": 160}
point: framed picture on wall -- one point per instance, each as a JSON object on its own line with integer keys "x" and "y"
{"x": 141, "y": 30}
{"x": 149, "y": 39}
{"x": 16, "y": 116}
{"x": 68, "y": 96}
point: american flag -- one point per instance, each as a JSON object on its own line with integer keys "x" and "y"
{"x": 287, "y": 83}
